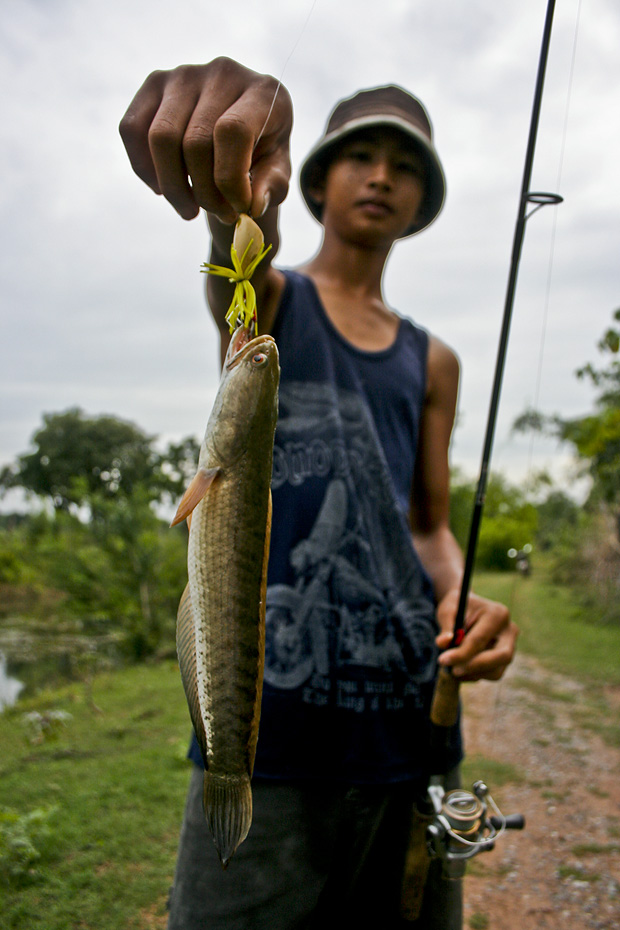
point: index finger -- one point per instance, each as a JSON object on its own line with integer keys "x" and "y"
{"x": 492, "y": 662}
{"x": 250, "y": 148}
{"x": 485, "y": 623}
{"x": 134, "y": 128}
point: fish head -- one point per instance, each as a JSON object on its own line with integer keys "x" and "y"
{"x": 246, "y": 407}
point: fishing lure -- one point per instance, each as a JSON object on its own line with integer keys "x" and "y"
{"x": 247, "y": 251}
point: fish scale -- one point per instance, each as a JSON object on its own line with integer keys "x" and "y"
{"x": 233, "y": 591}
{"x": 221, "y": 616}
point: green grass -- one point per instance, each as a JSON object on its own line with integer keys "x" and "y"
{"x": 107, "y": 791}
{"x": 573, "y": 873}
{"x": 116, "y": 780}
{"x": 478, "y": 921}
{"x": 595, "y": 849}
{"x": 490, "y": 771}
{"x": 555, "y": 629}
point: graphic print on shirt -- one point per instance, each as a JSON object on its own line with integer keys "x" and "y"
{"x": 352, "y": 620}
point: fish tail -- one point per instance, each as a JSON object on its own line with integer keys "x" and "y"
{"x": 228, "y": 808}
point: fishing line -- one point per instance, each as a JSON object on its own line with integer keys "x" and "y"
{"x": 550, "y": 266}
{"x": 495, "y": 722}
{"x": 279, "y": 84}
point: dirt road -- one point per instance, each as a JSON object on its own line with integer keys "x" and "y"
{"x": 563, "y": 871}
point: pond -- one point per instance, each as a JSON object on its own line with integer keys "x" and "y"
{"x": 33, "y": 657}
{"x": 10, "y": 688}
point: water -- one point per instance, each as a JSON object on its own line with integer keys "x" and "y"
{"x": 10, "y": 688}
{"x": 32, "y": 659}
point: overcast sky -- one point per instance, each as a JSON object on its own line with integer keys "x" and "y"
{"x": 100, "y": 286}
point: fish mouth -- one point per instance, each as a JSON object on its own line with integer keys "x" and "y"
{"x": 241, "y": 346}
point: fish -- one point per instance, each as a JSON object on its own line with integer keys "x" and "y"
{"x": 221, "y": 616}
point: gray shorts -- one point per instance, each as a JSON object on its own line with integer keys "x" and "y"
{"x": 314, "y": 857}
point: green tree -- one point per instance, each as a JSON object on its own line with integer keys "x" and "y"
{"x": 81, "y": 460}
{"x": 509, "y": 519}
{"x": 595, "y": 438}
{"x": 558, "y": 517}
{"x": 178, "y": 466}
{"x": 76, "y": 456}
{"x": 105, "y": 553}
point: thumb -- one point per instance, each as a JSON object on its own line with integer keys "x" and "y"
{"x": 443, "y": 640}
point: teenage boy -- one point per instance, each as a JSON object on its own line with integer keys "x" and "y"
{"x": 364, "y": 572}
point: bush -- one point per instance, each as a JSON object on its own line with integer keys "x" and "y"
{"x": 121, "y": 573}
{"x": 587, "y": 559}
{"x": 497, "y": 536}
{"x": 508, "y": 521}
{"x": 23, "y": 837}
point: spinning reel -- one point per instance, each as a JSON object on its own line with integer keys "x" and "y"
{"x": 462, "y": 827}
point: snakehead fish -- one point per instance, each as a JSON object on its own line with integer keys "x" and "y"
{"x": 221, "y": 617}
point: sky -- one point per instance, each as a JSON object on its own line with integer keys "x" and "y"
{"x": 101, "y": 294}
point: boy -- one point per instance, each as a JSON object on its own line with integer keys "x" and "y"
{"x": 355, "y": 611}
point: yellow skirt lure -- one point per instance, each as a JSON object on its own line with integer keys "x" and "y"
{"x": 247, "y": 251}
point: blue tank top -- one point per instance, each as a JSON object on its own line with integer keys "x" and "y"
{"x": 350, "y": 658}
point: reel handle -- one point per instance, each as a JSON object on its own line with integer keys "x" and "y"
{"x": 512, "y": 822}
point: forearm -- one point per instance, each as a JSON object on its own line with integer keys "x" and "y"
{"x": 442, "y": 558}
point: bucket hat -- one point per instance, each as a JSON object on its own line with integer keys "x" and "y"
{"x": 380, "y": 106}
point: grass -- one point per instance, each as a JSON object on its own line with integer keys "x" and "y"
{"x": 563, "y": 636}
{"x": 478, "y": 921}
{"x": 115, "y": 782}
{"x": 107, "y": 785}
{"x": 543, "y": 691}
{"x": 574, "y": 873}
{"x": 555, "y": 628}
{"x": 490, "y": 771}
{"x": 595, "y": 849}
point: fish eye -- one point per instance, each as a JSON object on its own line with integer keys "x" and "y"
{"x": 259, "y": 359}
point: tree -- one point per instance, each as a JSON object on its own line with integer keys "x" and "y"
{"x": 178, "y": 466}
{"x": 76, "y": 456}
{"x": 595, "y": 437}
{"x": 509, "y": 519}
{"x": 79, "y": 460}
{"x": 105, "y": 551}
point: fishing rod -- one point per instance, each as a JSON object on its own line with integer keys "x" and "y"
{"x": 444, "y": 710}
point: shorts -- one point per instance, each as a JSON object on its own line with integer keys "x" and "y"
{"x": 315, "y": 856}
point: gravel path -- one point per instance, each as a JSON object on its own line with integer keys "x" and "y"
{"x": 563, "y": 871}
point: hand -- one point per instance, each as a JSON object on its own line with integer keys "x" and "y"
{"x": 191, "y": 134}
{"x": 490, "y": 639}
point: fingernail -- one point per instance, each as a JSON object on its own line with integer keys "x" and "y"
{"x": 266, "y": 203}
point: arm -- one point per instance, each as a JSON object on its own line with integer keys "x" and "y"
{"x": 430, "y": 507}
{"x": 207, "y": 136}
{"x": 488, "y": 647}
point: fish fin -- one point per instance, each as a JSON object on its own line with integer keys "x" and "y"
{"x": 199, "y": 485}
{"x": 186, "y": 652}
{"x": 227, "y": 804}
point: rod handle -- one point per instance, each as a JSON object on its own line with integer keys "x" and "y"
{"x": 445, "y": 706}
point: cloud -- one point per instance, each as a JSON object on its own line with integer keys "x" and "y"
{"x": 101, "y": 291}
